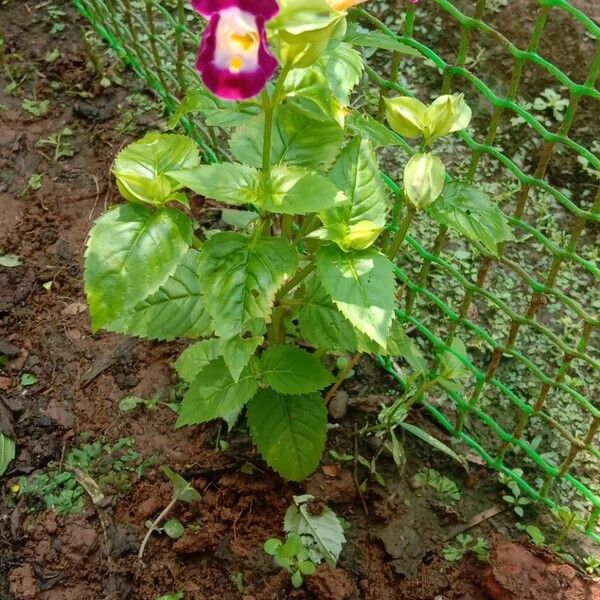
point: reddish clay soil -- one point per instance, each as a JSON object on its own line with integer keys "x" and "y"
{"x": 393, "y": 552}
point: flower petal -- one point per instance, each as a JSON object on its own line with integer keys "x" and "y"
{"x": 266, "y": 9}
{"x": 232, "y": 76}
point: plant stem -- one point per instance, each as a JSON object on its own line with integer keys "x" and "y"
{"x": 342, "y": 377}
{"x": 154, "y": 526}
{"x": 401, "y": 233}
{"x": 296, "y": 279}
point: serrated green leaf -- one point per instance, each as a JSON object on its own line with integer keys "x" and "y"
{"x": 141, "y": 169}
{"x": 379, "y": 40}
{"x": 237, "y": 353}
{"x": 175, "y": 310}
{"x": 194, "y": 358}
{"x": 356, "y": 173}
{"x": 214, "y": 394}
{"x": 297, "y": 140}
{"x": 182, "y": 490}
{"x": 376, "y": 132}
{"x": 362, "y": 286}
{"x": 451, "y": 367}
{"x": 131, "y": 252}
{"x": 130, "y": 403}
{"x": 291, "y": 370}
{"x": 240, "y": 275}
{"x": 295, "y": 191}
{"x": 470, "y": 211}
{"x": 196, "y": 100}
{"x": 310, "y": 94}
{"x": 322, "y": 533}
{"x": 231, "y": 183}
{"x": 7, "y": 452}
{"x": 289, "y": 431}
{"x": 343, "y": 66}
{"x": 322, "y": 324}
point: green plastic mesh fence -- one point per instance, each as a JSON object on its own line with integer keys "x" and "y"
{"x": 529, "y": 315}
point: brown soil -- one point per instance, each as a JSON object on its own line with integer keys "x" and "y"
{"x": 393, "y": 552}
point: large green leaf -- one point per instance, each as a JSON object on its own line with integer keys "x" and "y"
{"x": 297, "y": 139}
{"x": 238, "y": 351}
{"x": 289, "y": 431}
{"x": 227, "y": 182}
{"x": 240, "y": 275}
{"x": 295, "y": 191}
{"x": 356, "y": 173}
{"x": 322, "y": 533}
{"x": 291, "y": 370}
{"x": 470, "y": 211}
{"x": 131, "y": 252}
{"x": 7, "y": 452}
{"x": 362, "y": 286}
{"x": 343, "y": 66}
{"x": 141, "y": 168}
{"x": 195, "y": 357}
{"x": 214, "y": 394}
{"x": 175, "y": 310}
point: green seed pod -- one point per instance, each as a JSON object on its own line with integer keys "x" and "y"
{"x": 424, "y": 178}
{"x": 406, "y": 116}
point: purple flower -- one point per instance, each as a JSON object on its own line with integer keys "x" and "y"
{"x": 234, "y": 59}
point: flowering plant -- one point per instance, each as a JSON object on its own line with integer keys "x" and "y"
{"x": 300, "y": 269}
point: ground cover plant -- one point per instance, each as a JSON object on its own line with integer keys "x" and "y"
{"x": 304, "y": 270}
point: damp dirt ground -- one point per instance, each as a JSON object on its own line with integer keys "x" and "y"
{"x": 396, "y": 533}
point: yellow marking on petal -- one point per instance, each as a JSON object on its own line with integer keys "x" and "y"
{"x": 236, "y": 64}
{"x": 245, "y": 41}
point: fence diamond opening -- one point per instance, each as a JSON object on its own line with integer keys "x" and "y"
{"x": 528, "y": 314}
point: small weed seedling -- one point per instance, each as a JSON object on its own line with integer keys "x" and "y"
{"x": 57, "y": 490}
{"x": 537, "y": 537}
{"x": 292, "y": 556}
{"x": 516, "y": 498}
{"x": 570, "y": 520}
{"x": 177, "y": 596}
{"x": 130, "y": 403}
{"x": 37, "y": 108}
{"x": 62, "y": 148}
{"x": 446, "y": 490}
{"x": 466, "y": 544}
{"x": 182, "y": 492}
{"x": 33, "y": 183}
{"x": 238, "y": 580}
{"x": 592, "y": 565}
{"x": 313, "y": 536}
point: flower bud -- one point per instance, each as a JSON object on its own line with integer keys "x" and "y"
{"x": 447, "y": 114}
{"x": 406, "y": 116}
{"x": 361, "y": 235}
{"x": 424, "y": 178}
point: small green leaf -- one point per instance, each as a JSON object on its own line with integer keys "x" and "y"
{"x": 7, "y": 452}
{"x": 130, "y": 403}
{"x": 196, "y": 100}
{"x": 214, "y": 394}
{"x": 343, "y": 66}
{"x": 362, "y": 286}
{"x": 433, "y": 442}
{"x": 292, "y": 546}
{"x": 370, "y": 128}
{"x": 297, "y": 579}
{"x": 451, "y": 367}
{"x": 28, "y": 379}
{"x": 291, "y": 370}
{"x": 240, "y": 219}
{"x": 322, "y": 533}
{"x": 307, "y": 567}
{"x": 272, "y": 546}
{"x": 289, "y": 431}
{"x": 131, "y": 252}
{"x": 182, "y": 490}
{"x": 142, "y": 168}
{"x": 37, "y": 108}
{"x": 10, "y": 261}
{"x": 379, "y": 40}
{"x": 174, "y": 529}
{"x": 195, "y": 357}
{"x": 471, "y": 212}
{"x": 231, "y": 183}
{"x": 240, "y": 276}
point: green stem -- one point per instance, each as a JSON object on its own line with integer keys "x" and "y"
{"x": 268, "y": 134}
{"x": 401, "y": 233}
{"x": 295, "y": 280}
